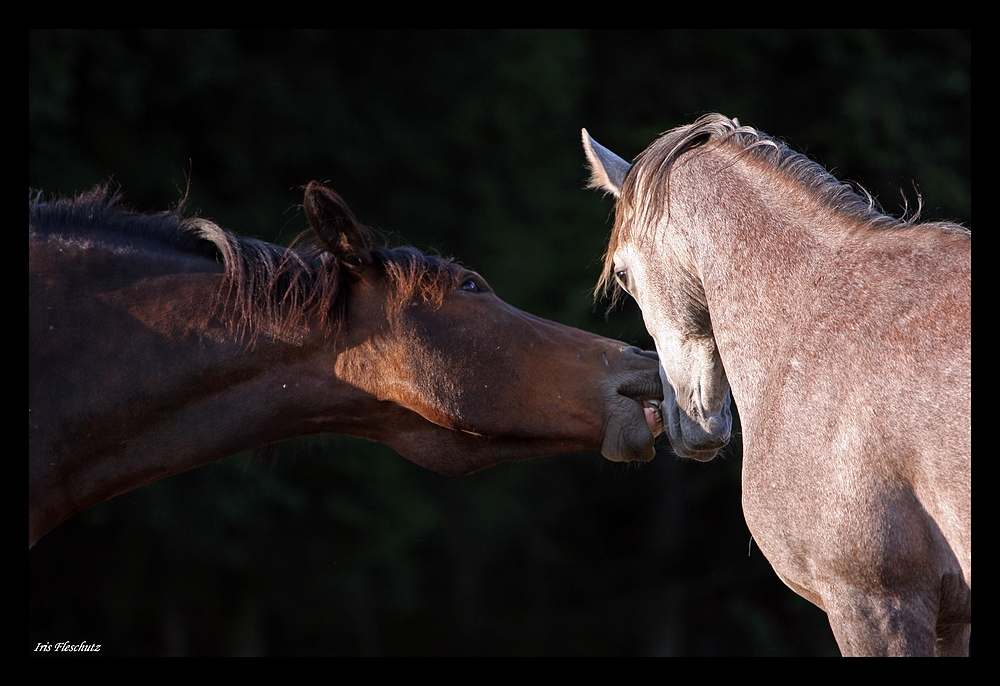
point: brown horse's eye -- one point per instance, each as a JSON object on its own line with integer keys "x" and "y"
{"x": 470, "y": 286}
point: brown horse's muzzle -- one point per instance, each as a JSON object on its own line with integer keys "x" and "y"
{"x": 634, "y": 415}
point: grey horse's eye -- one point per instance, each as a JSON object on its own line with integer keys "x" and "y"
{"x": 622, "y": 276}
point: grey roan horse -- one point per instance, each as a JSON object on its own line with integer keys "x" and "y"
{"x": 845, "y": 336}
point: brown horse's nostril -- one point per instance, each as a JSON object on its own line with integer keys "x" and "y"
{"x": 651, "y": 354}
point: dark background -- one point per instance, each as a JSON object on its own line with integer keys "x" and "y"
{"x": 467, "y": 143}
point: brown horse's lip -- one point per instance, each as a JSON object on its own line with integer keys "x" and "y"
{"x": 654, "y": 416}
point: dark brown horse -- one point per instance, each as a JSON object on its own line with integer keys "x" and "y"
{"x": 845, "y": 336}
{"x": 158, "y": 344}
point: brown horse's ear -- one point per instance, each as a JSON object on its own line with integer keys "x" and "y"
{"x": 607, "y": 170}
{"x": 334, "y": 223}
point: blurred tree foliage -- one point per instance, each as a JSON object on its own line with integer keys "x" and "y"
{"x": 464, "y": 142}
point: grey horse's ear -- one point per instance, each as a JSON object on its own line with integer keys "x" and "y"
{"x": 607, "y": 170}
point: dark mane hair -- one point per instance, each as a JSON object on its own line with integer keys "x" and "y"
{"x": 266, "y": 288}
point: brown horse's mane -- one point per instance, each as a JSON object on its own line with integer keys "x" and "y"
{"x": 644, "y": 189}
{"x": 266, "y": 288}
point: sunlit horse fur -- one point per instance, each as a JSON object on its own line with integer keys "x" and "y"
{"x": 845, "y": 336}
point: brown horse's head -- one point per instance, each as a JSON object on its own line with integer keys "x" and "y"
{"x": 158, "y": 344}
{"x": 468, "y": 379}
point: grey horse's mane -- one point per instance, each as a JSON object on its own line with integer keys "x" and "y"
{"x": 645, "y": 190}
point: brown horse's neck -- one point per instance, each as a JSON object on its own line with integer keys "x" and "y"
{"x": 155, "y": 384}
